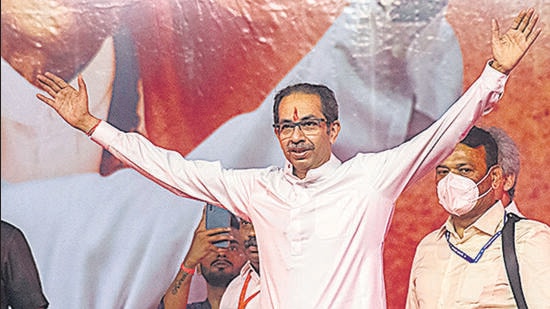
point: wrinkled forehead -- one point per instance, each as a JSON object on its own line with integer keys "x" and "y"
{"x": 297, "y": 106}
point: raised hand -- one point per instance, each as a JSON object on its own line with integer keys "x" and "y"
{"x": 69, "y": 103}
{"x": 203, "y": 242}
{"x": 510, "y": 47}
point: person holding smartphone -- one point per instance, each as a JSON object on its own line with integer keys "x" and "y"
{"x": 217, "y": 264}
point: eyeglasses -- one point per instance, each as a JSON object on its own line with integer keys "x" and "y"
{"x": 308, "y": 126}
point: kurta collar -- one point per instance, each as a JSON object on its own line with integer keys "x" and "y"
{"x": 247, "y": 267}
{"x": 315, "y": 174}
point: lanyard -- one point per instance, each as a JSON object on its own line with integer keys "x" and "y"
{"x": 465, "y": 256}
{"x": 243, "y": 302}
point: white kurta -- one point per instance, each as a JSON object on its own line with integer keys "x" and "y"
{"x": 232, "y": 296}
{"x": 320, "y": 238}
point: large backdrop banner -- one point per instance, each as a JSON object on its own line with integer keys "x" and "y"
{"x": 198, "y": 77}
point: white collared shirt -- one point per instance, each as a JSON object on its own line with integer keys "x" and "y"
{"x": 442, "y": 279}
{"x": 320, "y": 238}
{"x": 232, "y": 294}
{"x": 513, "y": 208}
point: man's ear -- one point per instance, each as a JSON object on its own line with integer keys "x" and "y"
{"x": 496, "y": 177}
{"x": 509, "y": 181}
{"x": 334, "y": 130}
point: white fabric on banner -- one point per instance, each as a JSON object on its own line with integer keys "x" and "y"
{"x": 102, "y": 242}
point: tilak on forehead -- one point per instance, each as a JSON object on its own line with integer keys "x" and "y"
{"x": 295, "y": 116}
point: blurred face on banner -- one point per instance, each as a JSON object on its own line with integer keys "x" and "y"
{"x": 62, "y": 38}
{"x": 66, "y": 38}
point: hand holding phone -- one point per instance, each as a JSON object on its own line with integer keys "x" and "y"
{"x": 218, "y": 217}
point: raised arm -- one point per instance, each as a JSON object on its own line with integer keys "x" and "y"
{"x": 510, "y": 47}
{"x": 69, "y": 103}
{"x": 205, "y": 181}
{"x": 412, "y": 160}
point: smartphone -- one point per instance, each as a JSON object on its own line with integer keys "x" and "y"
{"x": 217, "y": 217}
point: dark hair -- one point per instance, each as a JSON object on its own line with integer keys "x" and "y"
{"x": 329, "y": 106}
{"x": 479, "y": 137}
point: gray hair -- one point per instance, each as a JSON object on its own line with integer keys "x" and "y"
{"x": 508, "y": 155}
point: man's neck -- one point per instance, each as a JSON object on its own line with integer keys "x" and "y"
{"x": 215, "y": 295}
{"x": 461, "y": 223}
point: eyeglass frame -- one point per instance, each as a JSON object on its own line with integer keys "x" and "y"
{"x": 299, "y": 124}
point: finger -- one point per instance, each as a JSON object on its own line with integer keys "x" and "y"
{"x": 219, "y": 230}
{"x": 45, "y": 99}
{"x": 495, "y": 30}
{"x": 57, "y": 80}
{"x": 48, "y": 85}
{"x": 531, "y": 25}
{"x": 202, "y": 223}
{"x": 525, "y": 20}
{"x": 517, "y": 20}
{"x": 219, "y": 237}
{"x": 533, "y": 36}
{"x": 81, "y": 84}
{"x": 47, "y": 88}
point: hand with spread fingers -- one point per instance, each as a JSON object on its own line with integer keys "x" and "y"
{"x": 69, "y": 103}
{"x": 510, "y": 47}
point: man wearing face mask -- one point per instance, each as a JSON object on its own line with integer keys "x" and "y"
{"x": 460, "y": 265}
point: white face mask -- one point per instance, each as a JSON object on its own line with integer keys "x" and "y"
{"x": 458, "y": 194}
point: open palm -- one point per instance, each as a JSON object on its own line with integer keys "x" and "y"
{"x": 69, "y": 103}
{"x": 509, "y": 48}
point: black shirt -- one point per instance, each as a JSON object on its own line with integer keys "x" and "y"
{"x": 21, "y": 287}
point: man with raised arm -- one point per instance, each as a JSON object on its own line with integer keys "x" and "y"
{"x": 320, "y": 222}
